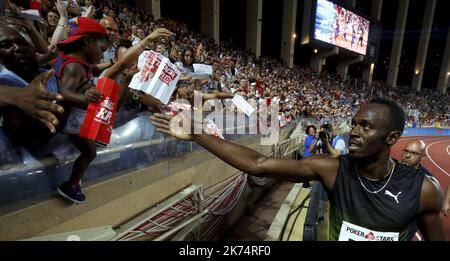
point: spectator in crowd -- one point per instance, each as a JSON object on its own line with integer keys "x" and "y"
{"x": 309, "y": 140}
{"x": 187, "y": 61}
{"x": 112, "y": 28}
{"x": 19, "y": 65}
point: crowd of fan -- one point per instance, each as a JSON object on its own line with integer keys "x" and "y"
{"x": 300, "y": 92}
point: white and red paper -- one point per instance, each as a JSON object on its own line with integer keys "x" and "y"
{"x": 157, "y": 76}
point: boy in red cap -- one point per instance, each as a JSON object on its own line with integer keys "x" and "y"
{"x": 81, "y": 50}
{"x": 84, "y": 47}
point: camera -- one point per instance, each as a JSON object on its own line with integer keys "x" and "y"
{"x": 323, "y": 135}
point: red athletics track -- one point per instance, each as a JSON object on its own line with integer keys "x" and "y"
{"x": 437, "y": 162}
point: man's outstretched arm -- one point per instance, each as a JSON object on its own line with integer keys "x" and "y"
{"x": 254, "y": 163}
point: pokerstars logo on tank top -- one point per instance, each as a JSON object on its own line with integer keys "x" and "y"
{"x": 352, "y": 232}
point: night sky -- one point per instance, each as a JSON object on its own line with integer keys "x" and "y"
{"x": 233, "y": 26}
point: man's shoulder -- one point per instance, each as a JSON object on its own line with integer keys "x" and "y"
{"x": 8, "y": 77}
{"x": 408, "y": 171}
{"x": 425, "y": 171}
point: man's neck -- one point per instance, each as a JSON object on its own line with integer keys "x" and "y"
{"x": 377, "y": 169}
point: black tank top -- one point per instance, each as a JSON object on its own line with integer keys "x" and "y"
{"x": 356, "y": 214}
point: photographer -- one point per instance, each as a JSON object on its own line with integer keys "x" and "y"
{"x": 326, "y": 143}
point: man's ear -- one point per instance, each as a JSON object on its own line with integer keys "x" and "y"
{"x": 393, "y": 137}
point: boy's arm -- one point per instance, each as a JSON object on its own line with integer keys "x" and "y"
{"x": 133, "y": 53}
{"x": 69, "y": 84}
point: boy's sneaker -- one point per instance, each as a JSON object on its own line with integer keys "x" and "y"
{"x": 72, "y": 193}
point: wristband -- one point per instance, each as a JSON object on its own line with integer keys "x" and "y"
{"x": 142, "y": 46}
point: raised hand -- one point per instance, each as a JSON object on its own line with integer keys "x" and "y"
{"x": 159, "y": 32}
{"x": 89, "y": 12}
{"x": 61, "y": 10}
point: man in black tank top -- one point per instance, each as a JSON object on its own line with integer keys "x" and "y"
{"x": 371, "y": 197}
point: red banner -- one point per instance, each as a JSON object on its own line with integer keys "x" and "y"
{"x": 99, "y": 119}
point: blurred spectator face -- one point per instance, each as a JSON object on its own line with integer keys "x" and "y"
{"x": 160, "y": 48}
{"x": 88, "y": 2}
{"x": 140, "y": 33}
{"x": 134, "y": 30}
{"x": 174, "y": 54}
{"x": 413, "y": 153}
{"x": 188, "y": 57}
{"x": 243, "y": 83}
{"x": 111, "y": 28}
{"x": 112, "y": 14}
{"x": 16, "y": 53}
{"x": 52, "y": 18}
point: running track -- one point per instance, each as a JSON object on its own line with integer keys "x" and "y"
{"x": 437, "y": 162}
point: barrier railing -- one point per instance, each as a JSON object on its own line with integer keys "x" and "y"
{"x": 26, "y": 177}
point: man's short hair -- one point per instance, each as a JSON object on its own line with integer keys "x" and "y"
{"x": 397, "y": 114}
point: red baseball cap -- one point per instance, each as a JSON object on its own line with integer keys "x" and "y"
{"x": 79, "y": 27}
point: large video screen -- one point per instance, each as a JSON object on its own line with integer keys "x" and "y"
{"x": 338, "y": 26}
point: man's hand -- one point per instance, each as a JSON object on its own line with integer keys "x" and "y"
{"x": 14, "y": 9}
{"x": 89, "y": 12}
{"x": 35, "y": 101}
{"x": 159, "y": 32}
{"x": 62, "y": 11}
{"x": 446, "y": 208}
{"x": 171, "y": 125}
{"x": 92, "y": 95}
{"x": 446, "y": 205}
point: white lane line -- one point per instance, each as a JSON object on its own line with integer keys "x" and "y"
{"x": 448, "y": 151}
{"x": 431, "y": 144}
{"x": 418, "y": 236}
